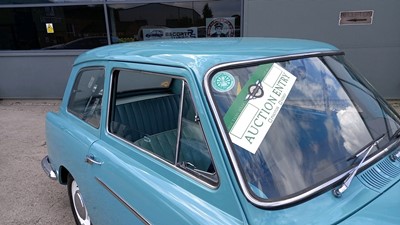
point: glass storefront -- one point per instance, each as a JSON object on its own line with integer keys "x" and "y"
{"x": 61, "y": 27}
{"x": 47, "y": 26}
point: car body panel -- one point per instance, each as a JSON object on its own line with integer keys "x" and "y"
{"x": 354, "y": 206}
{"x": 137, "y": 165}
{"x": 129, "y": 185}
{"x": 140, "y": 187}
{"x": 200, "y": 55}
{"x": 384, "y": 209}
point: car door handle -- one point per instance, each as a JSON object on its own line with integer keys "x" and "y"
{"x": 91, "y": 160}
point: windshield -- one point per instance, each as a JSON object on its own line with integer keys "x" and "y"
{"x": 293, "y": 125}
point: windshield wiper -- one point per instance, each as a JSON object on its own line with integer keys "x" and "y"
{"x": 396, "y": 134}
{"x": 395, "y": 156}
{"x": 366, "y": 148}
{"x": 337, "y": 192}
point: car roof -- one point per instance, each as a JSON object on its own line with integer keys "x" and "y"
{"x": 204, "y": 53}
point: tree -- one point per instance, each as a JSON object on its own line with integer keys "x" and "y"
{"x": 207, "y": 12}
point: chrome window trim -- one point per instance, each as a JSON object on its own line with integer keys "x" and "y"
{"x": 145, "y": 151}
{"x": 178, "y": 135}
{"x": 125, "y": 203}
{"x": 237, "y": 170}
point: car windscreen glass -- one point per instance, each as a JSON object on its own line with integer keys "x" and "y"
{"x": 293, "y": 125}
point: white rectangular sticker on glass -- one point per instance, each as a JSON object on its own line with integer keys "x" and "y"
{"x": 256, "y": 107}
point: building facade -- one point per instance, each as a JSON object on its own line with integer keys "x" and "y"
{"x": 40, "y": 39}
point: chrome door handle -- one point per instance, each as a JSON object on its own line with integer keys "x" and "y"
{"x": 90, "y": 159}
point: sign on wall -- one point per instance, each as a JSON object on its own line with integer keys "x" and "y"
{"x": 220, "y": 27}
{"x": 173, "y": 33}
{"x": 356, "y": 17}
{"x": 49, "y": 28}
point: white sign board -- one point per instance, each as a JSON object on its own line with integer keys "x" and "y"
{"x": 255, "y": 109}
{"x": 356, "y": 17}
{"x": 160, "y": 33}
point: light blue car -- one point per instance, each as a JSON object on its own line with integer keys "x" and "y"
{"x": 224, "y": 131}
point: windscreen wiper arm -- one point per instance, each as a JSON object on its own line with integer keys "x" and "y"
{"x": 395, "y": 156}
{"x": 395, "y": 134}
{"x": 337, "y": 192}
{"x": 366, "y": 148}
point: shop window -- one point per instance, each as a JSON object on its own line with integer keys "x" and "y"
{"x": 137, "y": 22}
{"x": 4, "y": 2}
{"x": 58, "y": 27}
{"x": 84, "y": 26}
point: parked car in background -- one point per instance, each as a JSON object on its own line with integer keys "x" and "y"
{"x": 155, "y": 33}
{"x": 224, "y": 131}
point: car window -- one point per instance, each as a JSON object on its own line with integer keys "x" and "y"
{"x": 159, "y": 117}
{"x": 86, "y": 96}
{"x": 294, "y": 125}
{"x": 193, "y": 155}
{"x": 128, "y": 83}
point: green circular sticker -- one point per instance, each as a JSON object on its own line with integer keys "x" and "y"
{"x": 223, "y": 81}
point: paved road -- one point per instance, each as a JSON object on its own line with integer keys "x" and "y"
{"x": 27, "y": 196}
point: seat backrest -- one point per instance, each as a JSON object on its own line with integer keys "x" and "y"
{"x": 136, "y": 119}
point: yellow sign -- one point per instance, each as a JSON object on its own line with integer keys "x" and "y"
{"x": 49, "y": 28}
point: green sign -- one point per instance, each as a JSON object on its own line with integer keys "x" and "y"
{"x": 223, "y": 81}
{"x": 254, "y": 110}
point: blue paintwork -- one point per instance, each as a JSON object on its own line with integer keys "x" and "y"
{"x": 164, "y": 195}
{"x": 201, "y": 54}
{"x": 354, "y": 206}
{"x": 384, "y": 210}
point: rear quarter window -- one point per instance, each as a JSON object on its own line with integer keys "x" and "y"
{"x": 86, "y": 96}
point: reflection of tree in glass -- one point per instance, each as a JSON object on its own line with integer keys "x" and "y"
{"x": 185, "y": 21}
{"x": 207, "y": 12}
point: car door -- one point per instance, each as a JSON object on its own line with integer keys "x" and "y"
{"x": 79, "y": 126}
{"x": 152, "y": 164}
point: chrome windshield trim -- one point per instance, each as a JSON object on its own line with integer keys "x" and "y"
{"x": 125, "y": 203}
{"x": 231, "y": 155}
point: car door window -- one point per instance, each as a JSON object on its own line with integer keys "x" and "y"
{"x": 86, "y": 96}
{"x": 158, "y": 117}
{"x": 193, "y": 152}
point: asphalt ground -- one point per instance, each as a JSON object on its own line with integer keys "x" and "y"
{"x": 27, "y": 195}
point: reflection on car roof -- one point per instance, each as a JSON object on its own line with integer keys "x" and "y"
{"x": 208, "y": 52}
